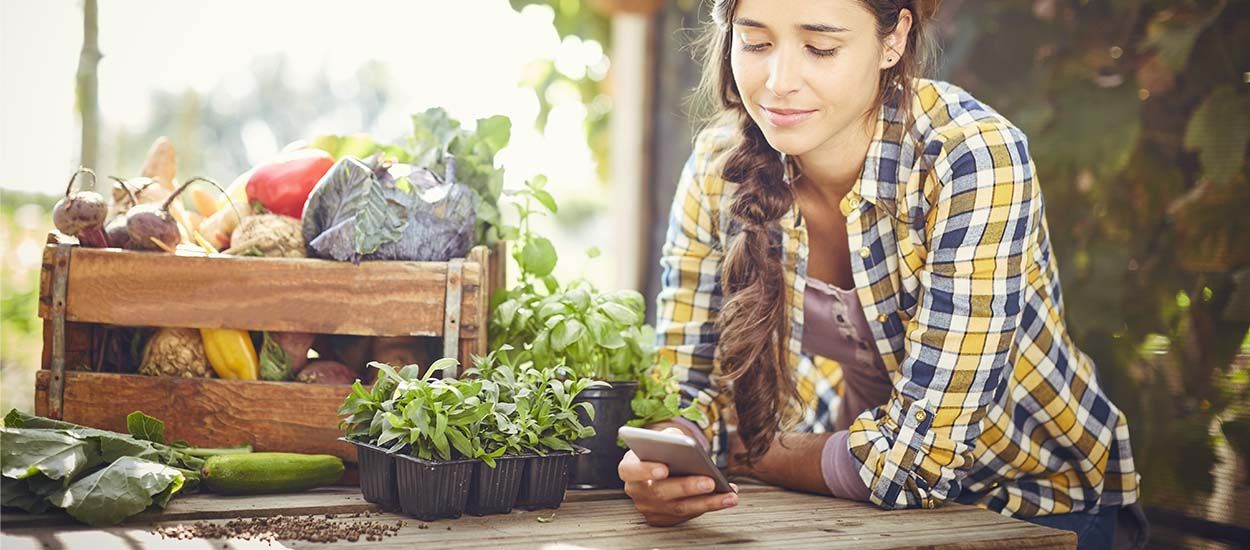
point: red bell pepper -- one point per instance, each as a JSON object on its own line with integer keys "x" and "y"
{"x": 282, "y": 185}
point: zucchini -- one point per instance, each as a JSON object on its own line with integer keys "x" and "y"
{"x": 258, "y": 473}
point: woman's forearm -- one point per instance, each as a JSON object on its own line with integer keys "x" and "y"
{"x": 793, "y": 461}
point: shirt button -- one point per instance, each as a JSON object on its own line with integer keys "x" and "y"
{"x": 883, "y": 318}
{"x": 920, "y": 416}
{"x": 852, "y": 202}
{"x": 864, "y": 252}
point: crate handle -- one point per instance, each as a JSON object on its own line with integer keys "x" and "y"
{"x": 451, "y": 313}
{"x": 60, "y": 285}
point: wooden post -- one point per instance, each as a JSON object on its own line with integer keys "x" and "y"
{"x": 88, "y": 85}
{"x": 675, "y": 73}
{"x": 630, "y": 127}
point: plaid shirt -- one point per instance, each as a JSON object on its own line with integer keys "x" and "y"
{"x": 992, "y": 403}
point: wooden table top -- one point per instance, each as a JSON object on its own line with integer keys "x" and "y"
{"x": 766, "y": 517}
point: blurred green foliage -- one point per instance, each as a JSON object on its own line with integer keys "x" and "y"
{"x": 1138, "y": 114}
{"x": 575, "y": 20}
{"x": 25, "y": 220}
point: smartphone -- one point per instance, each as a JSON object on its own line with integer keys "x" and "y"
{"x": 683, "y": 455}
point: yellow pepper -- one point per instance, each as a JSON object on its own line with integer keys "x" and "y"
{"x": 231, "y": 353}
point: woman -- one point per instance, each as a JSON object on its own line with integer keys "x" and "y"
{"x": 859, "y": 291}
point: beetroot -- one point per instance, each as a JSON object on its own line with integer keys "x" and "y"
{"x": 152, "y": 227}
{"x": 82, "y": 213}
{"x": 324, "y": 371}
{"x": 296, "y": 346}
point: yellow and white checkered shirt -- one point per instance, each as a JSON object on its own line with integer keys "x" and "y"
{"x": 992, "y": 403}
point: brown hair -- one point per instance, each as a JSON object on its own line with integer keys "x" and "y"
{"x": 753, "y": 325}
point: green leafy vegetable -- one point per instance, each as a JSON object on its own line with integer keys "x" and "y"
{"x": 26, "y": 453}
{"x": 120, "y": 490}
{"x": 99, "y": 477}
{"x": 275, "y": 362}
{"x": 142, "y": 426}
{"x": 437, "y": 138}
{"x": 370, "y": 211}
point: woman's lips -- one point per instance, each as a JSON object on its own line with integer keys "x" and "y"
{"x": 783, "y": 118}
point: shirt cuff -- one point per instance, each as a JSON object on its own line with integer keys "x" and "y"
{"x": 694, "y": 429}
{"x": 840, "y": 470}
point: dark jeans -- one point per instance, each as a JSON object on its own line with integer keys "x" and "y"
{"x": 1093, "y": 531}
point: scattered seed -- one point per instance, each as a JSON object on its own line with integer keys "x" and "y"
{"x": 271, "y": 529}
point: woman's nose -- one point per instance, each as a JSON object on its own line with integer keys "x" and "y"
{"x": 783, "y": 74}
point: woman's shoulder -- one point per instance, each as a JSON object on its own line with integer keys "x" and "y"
{"x": 949, "y": 119}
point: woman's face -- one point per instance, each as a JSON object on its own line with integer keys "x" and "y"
{"x": 807, "y": 71}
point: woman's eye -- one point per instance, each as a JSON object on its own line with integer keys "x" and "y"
{"x": 748, "y": 47}
{"x": 822, "y": 52}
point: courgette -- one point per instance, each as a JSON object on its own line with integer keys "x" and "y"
{"x": 258, "y": 473}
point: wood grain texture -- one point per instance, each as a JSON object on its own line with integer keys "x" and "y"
{"x": 78, "y": 341}
{"x": 127, "y": 288}
{"x": 766, "y": 517}
{"x": 207, "y": 412}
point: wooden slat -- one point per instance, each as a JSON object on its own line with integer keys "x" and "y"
{"x": 79, "y": 354}
{"x": 766, "y": 517}
{"x": 271, "y": 416}
{"x": 129, "y": 288}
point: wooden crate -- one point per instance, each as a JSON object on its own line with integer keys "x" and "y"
{"x": 83, "y": 289}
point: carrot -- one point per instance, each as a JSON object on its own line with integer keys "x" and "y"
{"x": 162, "y": 163}
{"x": 205, "y": 204}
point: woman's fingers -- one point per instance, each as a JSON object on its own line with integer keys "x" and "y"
{"x": 678, "y": 511}
{"x": 681, "y": 487}
{"x": 632, "y": 469}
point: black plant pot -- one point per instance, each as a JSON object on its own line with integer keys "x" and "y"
{"x": 377, "y": 474}
{"x": 597, "y": 470}
{"x": 495, "y": 489}
{"x": 430, "y": 490}
{"x": 545, "y": 479}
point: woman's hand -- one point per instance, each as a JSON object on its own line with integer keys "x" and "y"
{"x": 666, "y": 501}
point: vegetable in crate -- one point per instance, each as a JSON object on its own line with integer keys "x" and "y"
{"x": 82, "y": 213}
{"x": 272, "y": 235}
{"x": 284, "y": 354}
{"x": 282, "y": 185}
{"x": 132, "y": 192}
{"x": 323, "y": 371}
{"x": 176, "y": 352}
{"x": 153, "y": 227}
{"x": 231, "y": 353}
{"x": 438, "y": 140}
{"x": 162, "y": 163}
{"x": 218, "y": 226}
{"x": 376, "y": 211}
{"x": 275, "y": 364}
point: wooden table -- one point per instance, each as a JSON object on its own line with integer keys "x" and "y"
{"x": 765, "y": 517}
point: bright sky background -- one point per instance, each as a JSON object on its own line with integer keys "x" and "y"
{"x": 464, "y": 55}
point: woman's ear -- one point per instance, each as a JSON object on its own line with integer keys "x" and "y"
{"x": 895, "y": 43}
